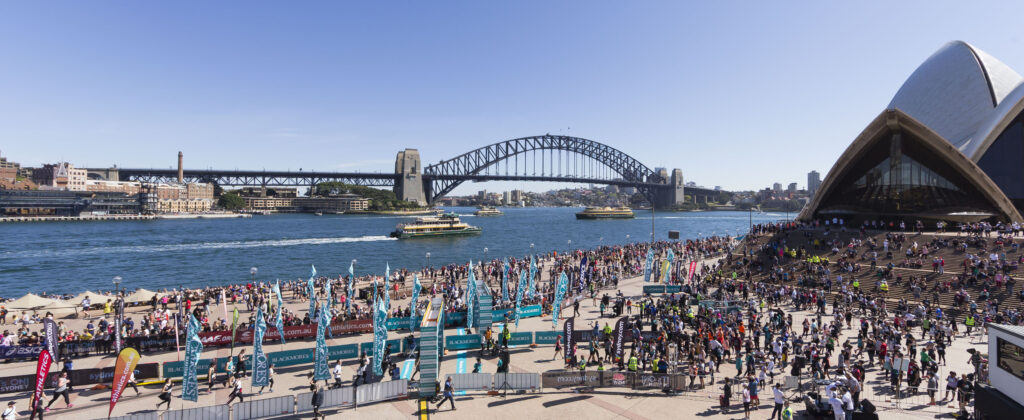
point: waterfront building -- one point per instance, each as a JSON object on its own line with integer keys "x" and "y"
{"x": 334, "y": 204}
{"x": 791, "y": 188}
{"x": 177, "y": 198}
{"x": 813, "y": 182}
{"x": 949, "y": 146}
{"x": 777, "y": 187}
{"x": 8, "y": 170}
{"x": 60, "y": 176}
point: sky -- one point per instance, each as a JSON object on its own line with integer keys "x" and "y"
{"x": 736, "y": 94}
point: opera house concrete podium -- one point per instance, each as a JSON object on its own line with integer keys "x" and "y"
{"x": 950, "y": 146}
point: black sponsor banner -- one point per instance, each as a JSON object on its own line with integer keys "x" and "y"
{"x": 570, "y": 339}
{"x": 50, "y": 334}
{"x": 25, "y": 383}
{"x": 571, "y": 378}
{"x": 606, "y": 379}
{"x": 620, "y": 338}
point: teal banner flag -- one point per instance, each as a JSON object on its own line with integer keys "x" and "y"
{"x": 193, "y": 347}
{"x": 563, "y": 286}
{"x": 470, "y": 296}
{"x": 520, "y": 291}
{"x": 387, "y": 287}
{"x": 533, "y": 273}
{"x": 504, "y": 281}
{"x": 279, "y": 323}
{"x": 648, "y": 266}
{"x": 351, "y": 285}
{"x": 415, "y": 301}
{"x": 311, "y": 289}
{"x": 320, "y": 369}
{"x": 380, "y": 336}
{"x": 261, "y": 366}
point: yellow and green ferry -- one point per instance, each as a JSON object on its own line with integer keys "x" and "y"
{"x": 606, "y": 213}
{"x": 488, "y": 211}
{"x": 435, "y": 226}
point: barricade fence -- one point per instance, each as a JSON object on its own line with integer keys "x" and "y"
{"x": 267, "y": 407}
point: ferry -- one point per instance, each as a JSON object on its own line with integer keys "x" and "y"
{"x": 488, "y": 211}
{"x": 606, "y": 213}
{"x": 434, "y": 226}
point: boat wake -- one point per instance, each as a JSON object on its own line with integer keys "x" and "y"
{"x": 192, "y": 246}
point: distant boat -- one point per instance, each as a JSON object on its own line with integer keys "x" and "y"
{"x": 434, "y": 226}
{"x": 318, "y": 214}
{"x": 488, "y": 211}
{"x": 606, "y": 213}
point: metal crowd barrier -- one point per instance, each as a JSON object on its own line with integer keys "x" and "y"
{"x": 382, "y": 391}
{"x": 267, "y": 407}
{"x": 471, "y": 381}
{"x": 213, "y": 412}
{"x": 517, "y": 381}
{"x": 141, "y": 416}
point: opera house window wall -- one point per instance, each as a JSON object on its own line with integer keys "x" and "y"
{"x": 950, "y": 147}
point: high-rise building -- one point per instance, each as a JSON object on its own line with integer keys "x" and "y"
{"x": 777, "y": 187}
{"x": 791, "y": 188}
{"x": 813, "y": 181}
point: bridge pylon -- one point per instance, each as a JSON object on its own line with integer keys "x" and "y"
{"x": 408, "y": 179}
{"x": 672, "y": 193}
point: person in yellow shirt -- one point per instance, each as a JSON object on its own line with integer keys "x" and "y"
{"x": 107, "y": 308}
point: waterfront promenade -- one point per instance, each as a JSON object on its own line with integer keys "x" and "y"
{"x": 550, "y": 403}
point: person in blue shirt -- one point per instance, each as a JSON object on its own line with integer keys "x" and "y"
{"x": 477, "y": 366}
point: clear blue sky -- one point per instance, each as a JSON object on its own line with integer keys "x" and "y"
{"x": 737, "y": 94}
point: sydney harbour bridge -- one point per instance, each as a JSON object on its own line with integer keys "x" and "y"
{"x": 546, "y": 158}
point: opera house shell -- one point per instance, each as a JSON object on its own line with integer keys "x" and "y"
{"x": 950, "y": 146}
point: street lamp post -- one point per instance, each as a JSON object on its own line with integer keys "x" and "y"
{"x": 428, "y": 263}
{"x": 253, "y": 271}
{"x": 117, "y": 286}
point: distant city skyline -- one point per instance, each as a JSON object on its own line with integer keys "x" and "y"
{"x": 727, "y": 94}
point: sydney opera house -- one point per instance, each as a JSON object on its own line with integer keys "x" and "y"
{"x": 950, "y": 146}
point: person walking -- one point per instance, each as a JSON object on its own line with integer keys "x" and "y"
{"x": 746, "y": 402}
{"x": 780, "y": 400}
{"x": 558, "y": 347}
{"x": 236, "y": 392}
{"x": 337, "y": 374}
{"x": 62, "y": 390}
{"x": 448, "y": 393}
{"x": 165, "y": 394}
{"x": 270, "y": 379}
{"x": 134, "y": 384}
{"x": 10, "y": 413}
{"x": 211, "y": 375}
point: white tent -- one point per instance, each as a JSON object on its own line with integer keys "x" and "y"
{"x": 29, "y": 301}
{"x": 95, "y": 298}
{"x": 61, "y": 307}
{"x": 141, "y": 295}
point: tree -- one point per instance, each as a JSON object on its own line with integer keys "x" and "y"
{"x": 230, "y": 201}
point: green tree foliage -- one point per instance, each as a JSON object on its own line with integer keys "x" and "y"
{"x": 230, "y": 201}
{"x": 379, "y": 199}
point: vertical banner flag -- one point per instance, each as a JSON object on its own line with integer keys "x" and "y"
{"x": 312, "y": 291}
{"x": 504, "y": 281}
{"x": 320, "y": 369}
{"x": 689, "y": 273}
{"x": 387, "y": 286}
{"x": 563, "y": 284}
{"x": 668, "y": 266}
{"x": 42, "y": 369}
{"x": 126, "y": 361}
{"x": 380, "y": 336}
{"x": 224, "y": 303}
{"x": 50, "y": 334}
{"x": 280, "y": 308}
{"x": 351, "y": 284}
{"x": 261, "y": 366}
{"x": 234, "y": 328}
{"x": 327, "y": 290}
{"x": 533, "y": 273}
{"x": 568, "y": 338}
{"x": 520, "y": 291}
{"x": 180, "y": 319}
{"x": 118, "y": 325}
{"x": 620, "y": 338}
{"x": 415, "y": 300}
{"x": 470, "y": 296}
{"x": 650, "y": 263}
{"x": 193, "y": 346}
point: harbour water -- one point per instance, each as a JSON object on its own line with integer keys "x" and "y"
{"x": 69, "y": 257}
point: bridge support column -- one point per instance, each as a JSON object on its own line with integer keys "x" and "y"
{"x": 409, "y": 180}
{"x": 672, "y": 193}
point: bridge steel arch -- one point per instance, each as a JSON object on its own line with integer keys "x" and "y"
{"x": 446, "y": 175}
